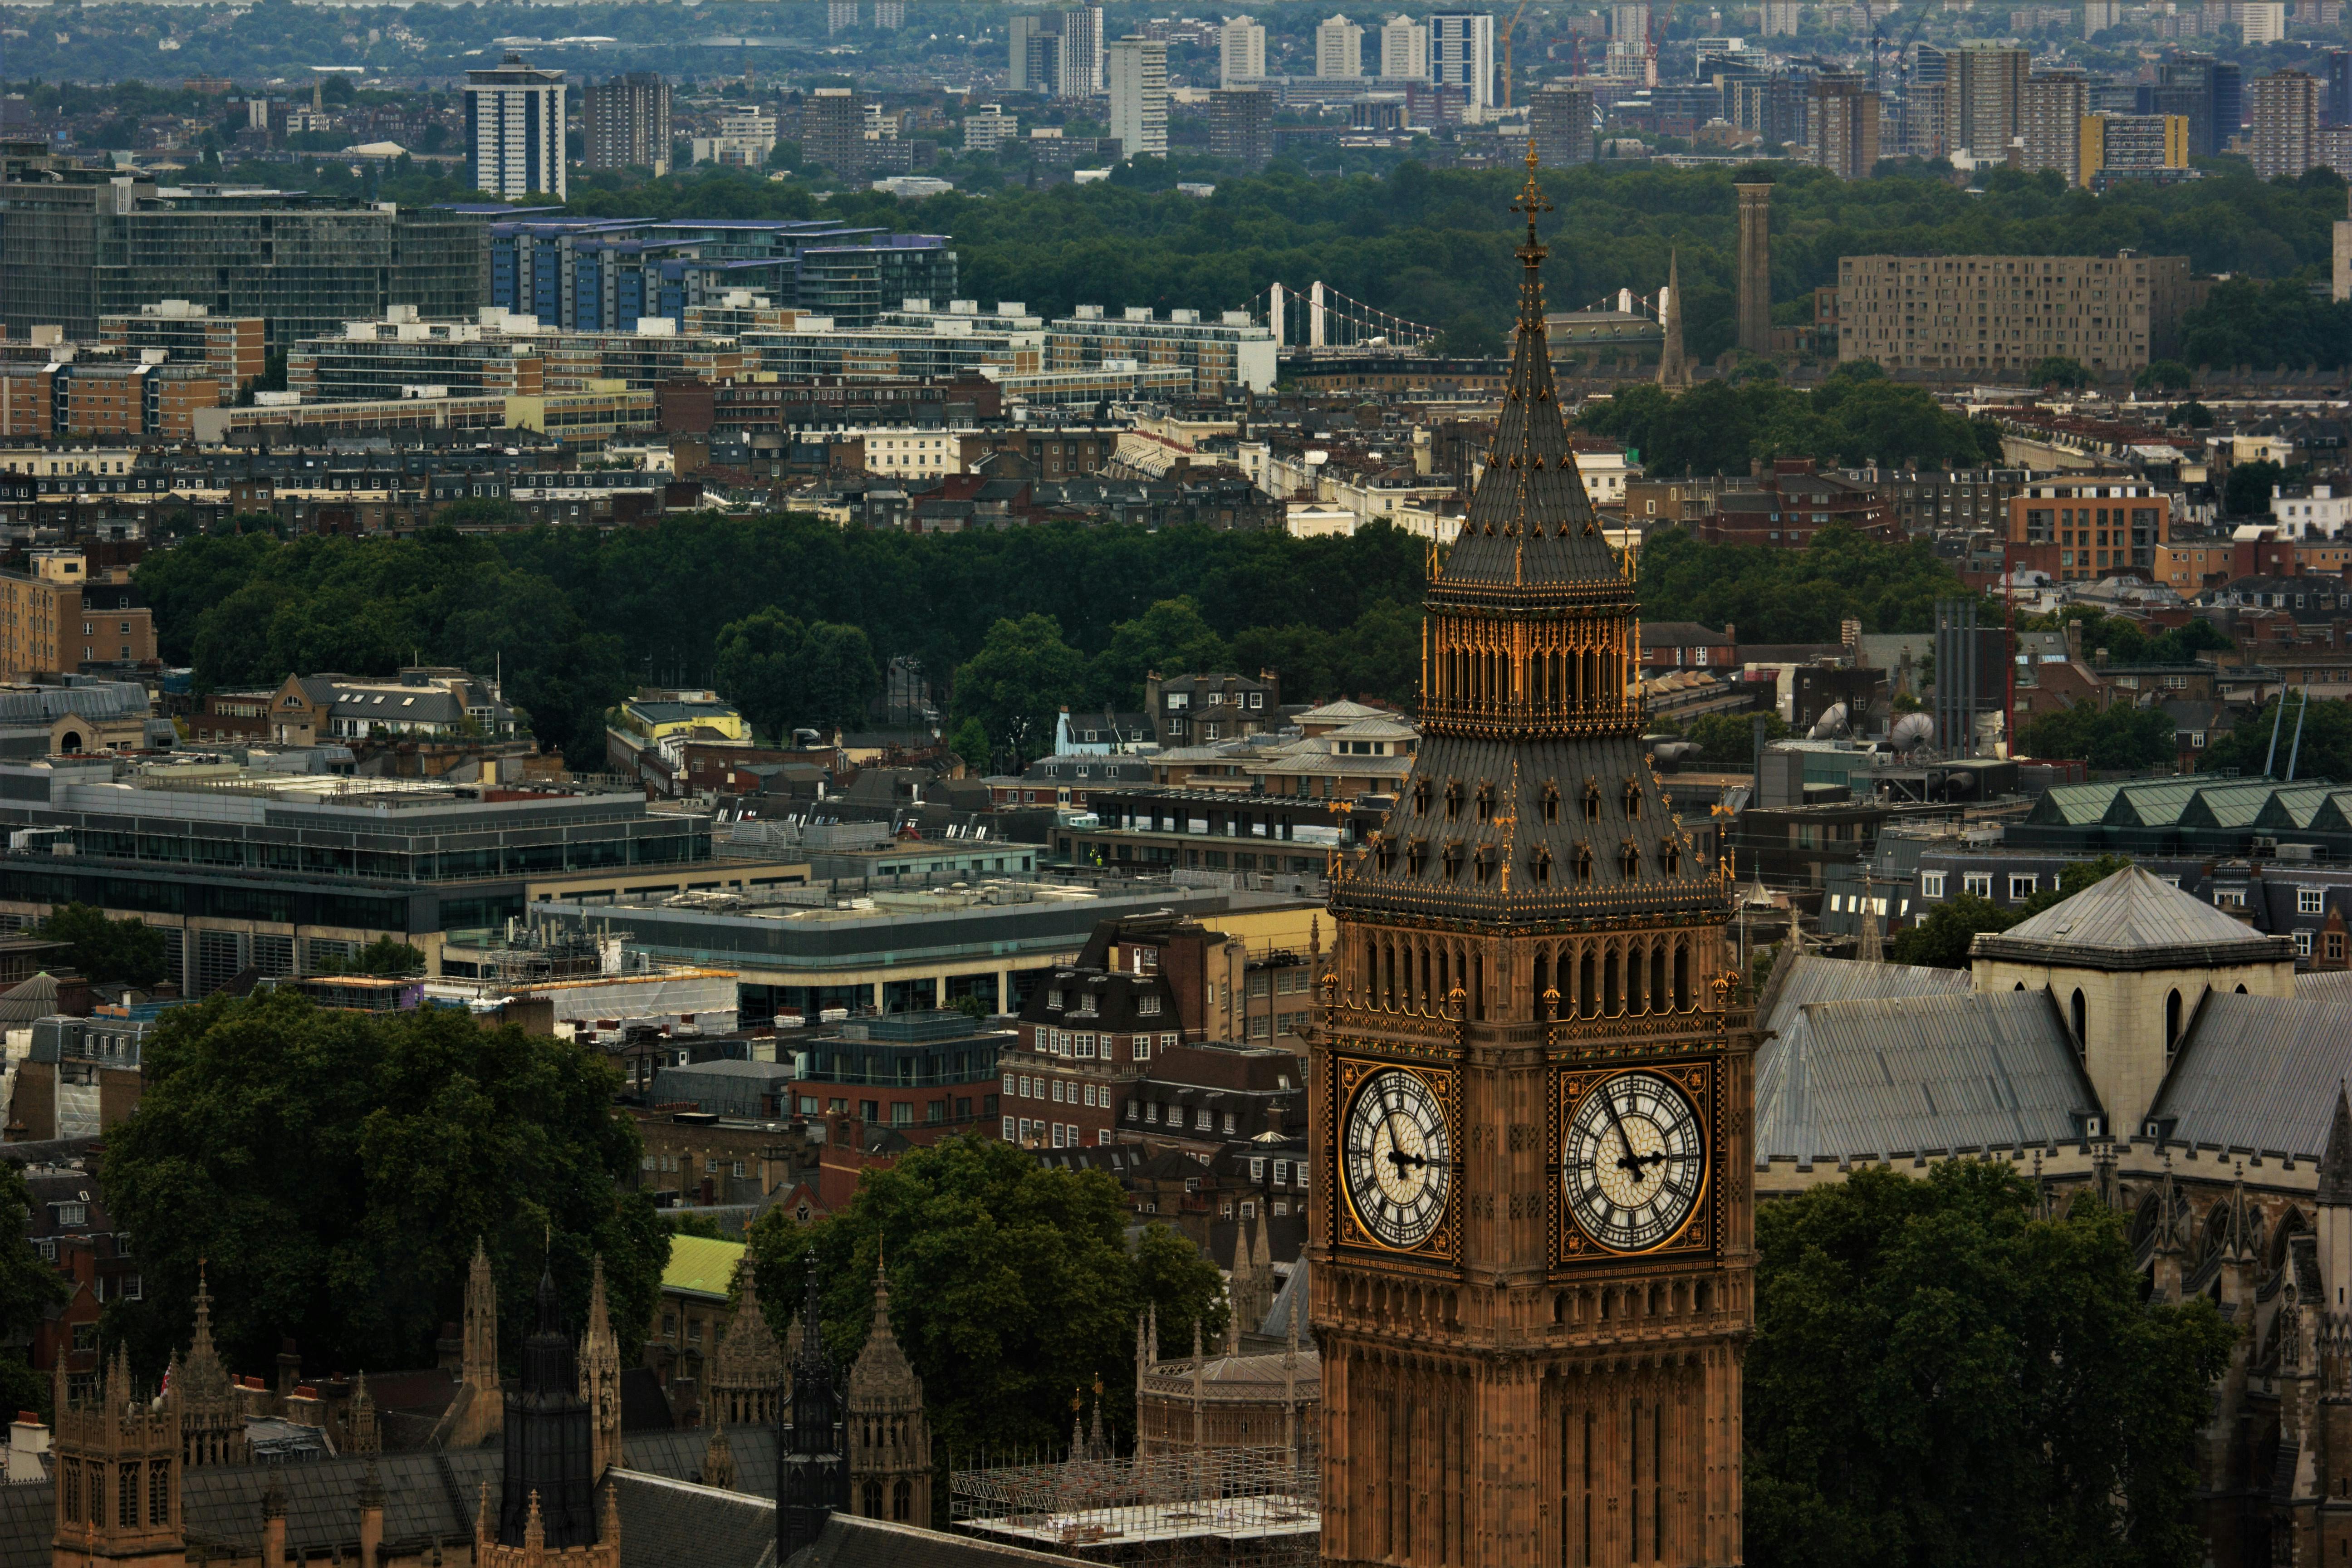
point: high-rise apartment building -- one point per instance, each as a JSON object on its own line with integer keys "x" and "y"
{"x": 2055, "y": 104}
{"x": 2262, "y": 21}
{"x": 987, "y": 127}
{"x": 628, "y": 123}
{"x": 2113, "y": 315}
{"x": 1560, "y": 120}
{"x": 889, "y": 15}
{"x": 1842, "y": 125}
{"x": 514, "y": 129}
{"x": 1059, "y": 52}
{"x": 2098, "y": 15}
{"x": 1781, "y": 18}
{"x": 1339, "y": 50}
{"x": 1404, "y": 49}
{"x": 1241, "y": 126}
{"x": 1080, "y": 71}
{"x": 80, "y": 244}
{"x": 1984, "y": 99}
{"x": 2335, "y": 77}
{"x": 832, "y": 129}
{"x": 840, "y": 15}
{"x": 1241, "y": 51}
{"x": 2114, "y": 147}
{"x": 1462, "y": 55}
{"x": 1139, "y": 97}
{"x": 1629, "y": 19}
{"x": 2286, "y": 123}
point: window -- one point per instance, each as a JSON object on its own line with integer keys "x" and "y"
{"x": 2310, "y": 900}
{"x": 1130, "y": 1111}
{"x": 1977, "y": 884}
{"x": 1148, "y": 1005}
{"x": 1231, "y": 1123}
{"x": 1057, "y": 1091}
{"x": 1167, "y": 1041}
{"x": 1143, "y": 1047}
{"x": 1008, "y": 1130}
{"x": 1931, "y": 884}
{"x": 2021, "y": 884}
{"x": 1282, "y": 1172}
{"x": 1202, "y": 1120}
{"x": 1151, "y": 1113}
{"x": 1009, "y": 1082}
{"x": 2303, "y": 944}
{"x": 1257, "y": 1169}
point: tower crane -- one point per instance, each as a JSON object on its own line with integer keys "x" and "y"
{"x": 1510, "y": 37}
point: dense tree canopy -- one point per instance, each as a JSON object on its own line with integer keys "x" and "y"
{"x": 335, "y": 1169}
{"x": 1941, "y": 1376}
{"x": 781, "y": 673}
{"x": 2322, "y": 751}
{"x": 29, "y": 1287}
{"x": 2120, "y": 737}
{"x": 1779, "y": 595}
{"x": 127, "y": 952}
{"x": 1857, "y": 415}
{"x": 1011, "y": 1285}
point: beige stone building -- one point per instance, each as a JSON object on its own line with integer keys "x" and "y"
{"x": 1978, "y": 313}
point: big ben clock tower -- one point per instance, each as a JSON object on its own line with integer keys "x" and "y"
{"x": 1532, "y": 1224}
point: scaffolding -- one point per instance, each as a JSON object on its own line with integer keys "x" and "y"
{"x": 1216, "y": 1508}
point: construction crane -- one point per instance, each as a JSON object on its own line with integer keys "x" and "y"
{"x": 1510, "y": 37}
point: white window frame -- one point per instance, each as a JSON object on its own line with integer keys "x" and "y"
{"x": 1931, "y": 884}
{"x": 2311, "y": 901}
{"x": 1979, "y": 883}
{"x": 2023, "y": 884}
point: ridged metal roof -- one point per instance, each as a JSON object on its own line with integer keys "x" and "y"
{"x": 1903, "y": 1076}
{"x": 1809, "y": 978}
{"x": 2324, "y": 985}
{"x": 2261, "y": 1073}
{"x": 2131, "y": 912}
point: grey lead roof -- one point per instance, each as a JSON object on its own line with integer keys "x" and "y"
{"x": 668, "y": 1524}
{"x": 2260, "y": 1073}
{"x": 848, "y": 1541}
{"x": 2131, "y": 915}
{"x": 1871, "y": 1079}
{"x": 1808, "y": 978}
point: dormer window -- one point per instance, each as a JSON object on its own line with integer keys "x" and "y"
{"x": 1054, "y": 1001}
{"x": 1384, "y": 854}
{"x": 1634, "y": 799}
{"x": 1629, "y": 858}
{"x": 1416, "y": 855}
{"x": 1148, "y": 1004}
{"x": 1452, "y": 858}
{"x": 1421, "y": 797}
{"x": 1550, "y": 802}
{"x": 1583, "y": 862}
{"x": 1541, "y": 864}
{"x": 1482, "y": 864}
{"x": 1452, "y": 799}
{"x": 1486, "y": 800}
{"x": 1591, "y": 800}
{"x": 1670, "y": 855}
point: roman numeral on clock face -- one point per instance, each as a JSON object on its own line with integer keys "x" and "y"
{"x": 1633, "y": 1160}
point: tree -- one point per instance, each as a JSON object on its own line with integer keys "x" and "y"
{"x": 780, "y": 672}
{"x": 2247, "y": 491}
{"x": 2057, "y": 370}
{"x": 1170, "y": 638}
{"x": 388, "y": 956}
{"x": 1010, "y": 1284}
{"x": 970, "y": 741}
{"x": 335, "y": 1170}
{"x": 1022, "y": 675}
{"x": 1941, "y": 941}
{"x": 2165, "y": 375}
{"x": 29, "y": 1287}
{"x": 2323, "y": 751}
{"x": 107, "y": 952}
{"x": 2191, "y": 415}
{"x": 1729, "y": 740}
{"x": 1940, "y": 1375}
{"x": 2123, "y": 737}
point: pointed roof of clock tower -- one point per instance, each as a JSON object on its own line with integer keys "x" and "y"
{"x": 1531, "y": 799}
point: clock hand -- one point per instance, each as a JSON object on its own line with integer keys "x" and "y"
{"x": 1625, "y": 1161}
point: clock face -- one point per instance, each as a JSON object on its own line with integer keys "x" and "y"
{"x": 1399, "y": 1161}
{"x": 1633, "y": 1162}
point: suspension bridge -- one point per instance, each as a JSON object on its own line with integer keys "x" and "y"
{"x": 1319, "y": 317}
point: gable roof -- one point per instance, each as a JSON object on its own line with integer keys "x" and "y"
{"x": 1807, "y": 978}
{"x": 2254, "y": 1071}
{"x": 1871, "y": 1079}
{"x": 2133, "y": 920}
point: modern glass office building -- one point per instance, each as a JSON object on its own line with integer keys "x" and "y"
{"x": 78, "y": 244}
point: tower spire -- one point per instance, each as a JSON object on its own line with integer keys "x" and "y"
{"x": 1674, "y": 366}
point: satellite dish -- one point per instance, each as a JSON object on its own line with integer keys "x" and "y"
{"x": 1912, "y": 730}
{"x": 1830, "y": 725}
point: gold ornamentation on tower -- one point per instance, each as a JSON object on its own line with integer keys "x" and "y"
{"x": 1531, "y": 1233}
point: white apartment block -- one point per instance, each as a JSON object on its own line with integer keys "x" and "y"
{"x": 1339, "y": 50}
{"x": 1241, "y": 51}
{"x": 514, "y": 129}
{"x": 1404, "y": 50}
{"x": 1139, "y": 97}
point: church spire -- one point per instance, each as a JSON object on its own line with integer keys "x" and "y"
{"x": 1673, "y": 366}
{"x": 2335, "y": 1163}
